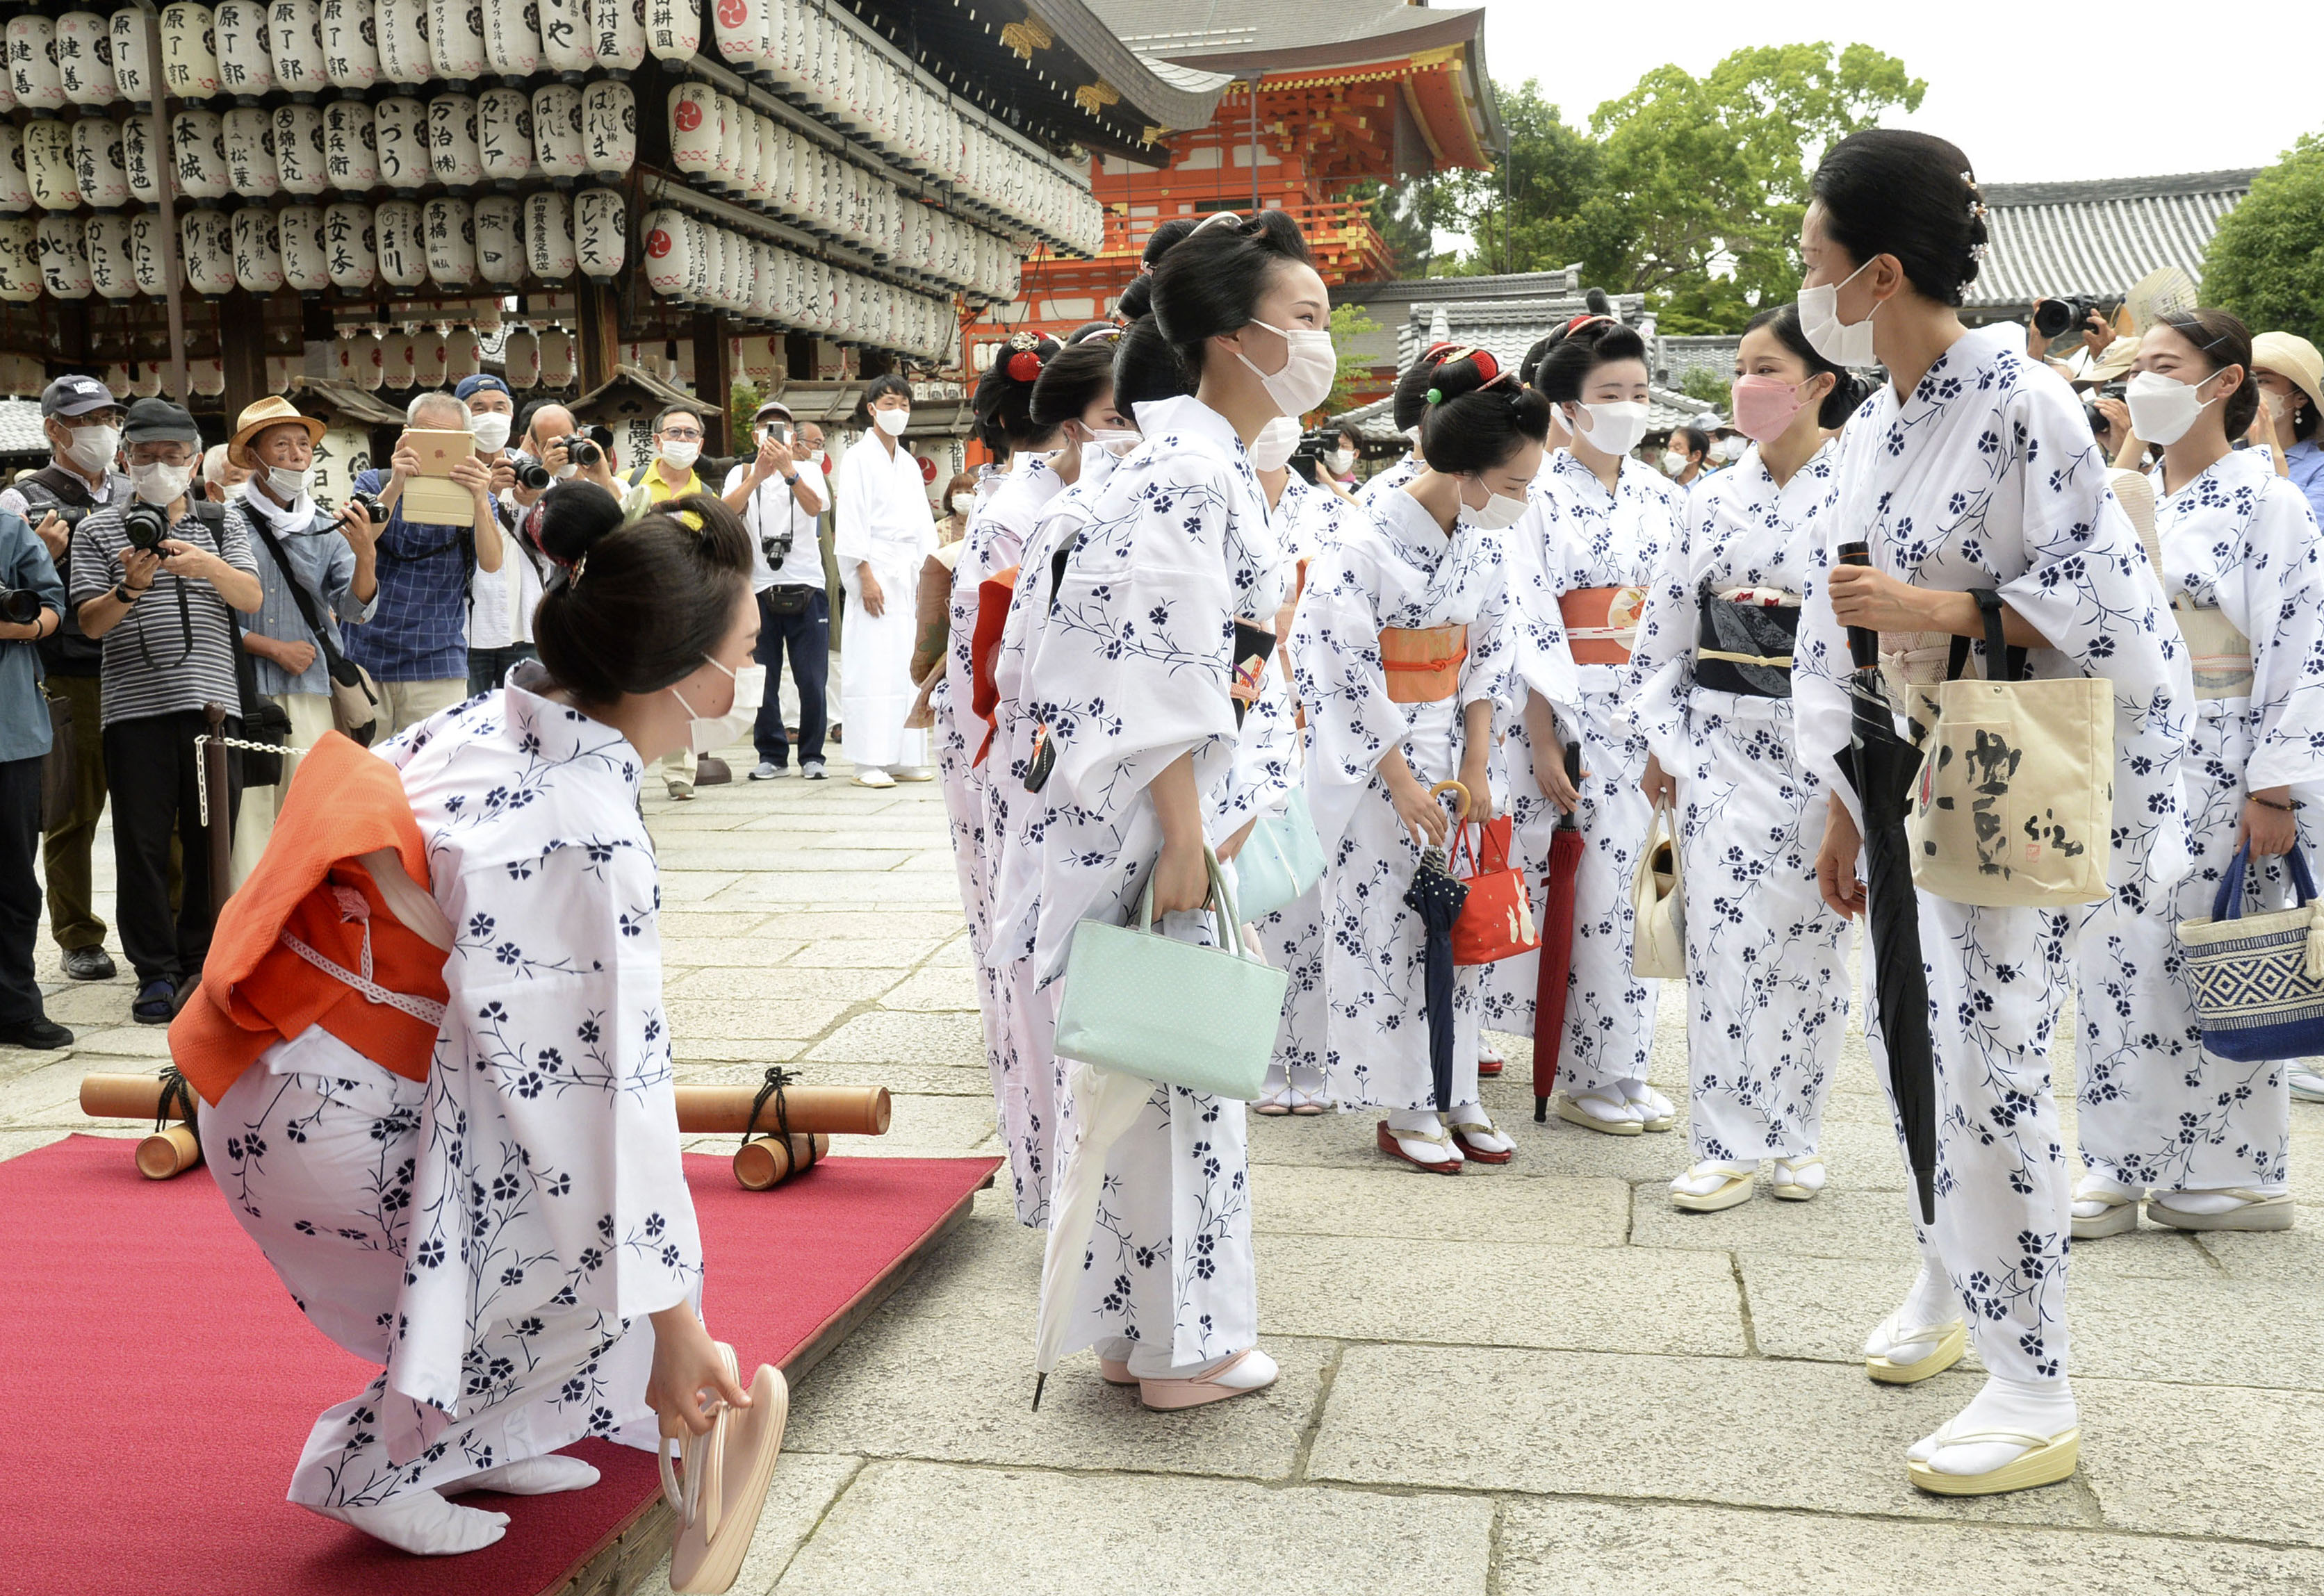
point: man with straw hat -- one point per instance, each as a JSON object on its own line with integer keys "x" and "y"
{"x": 315, "y": 569}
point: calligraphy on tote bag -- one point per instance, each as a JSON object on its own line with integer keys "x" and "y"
{"x": 2016, "y": 804}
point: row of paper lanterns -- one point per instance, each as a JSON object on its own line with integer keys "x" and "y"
{"x": 435, "y": 356}
{"x": 701, "y": 264}
{"x": 250, "y": 47}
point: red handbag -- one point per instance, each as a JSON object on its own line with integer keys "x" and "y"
{"x": 1496, "y": 920}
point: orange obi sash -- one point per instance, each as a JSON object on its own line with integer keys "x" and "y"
{"x": 1423, "y": 663}
{"x": 309, "y": 940}
{"x": 1602, "y": 622}
{"x": 992, "y": 598}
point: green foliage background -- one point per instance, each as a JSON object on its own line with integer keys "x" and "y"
{"x": 2266, "y": 261}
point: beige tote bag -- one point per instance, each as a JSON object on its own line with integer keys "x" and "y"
{"x": 2015, "y": 802}
{"x": 1658, "y": 904}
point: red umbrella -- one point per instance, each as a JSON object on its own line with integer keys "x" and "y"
{"x": 1556, "y": 943}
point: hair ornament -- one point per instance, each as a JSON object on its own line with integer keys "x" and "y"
{"x": 1231, "y": 218}
{"x": 573, "y": 572}
{"x": 1436, "y": 396}
{"x": 691, "y": 520}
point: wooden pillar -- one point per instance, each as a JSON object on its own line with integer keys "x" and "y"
{"x": 714, "y": 378}
{"x": 241, "y": 342}
{"x": 596, "y": 332}
{"x": 798, "y": 356}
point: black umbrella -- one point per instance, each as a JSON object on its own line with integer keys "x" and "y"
{"x": 1882, "y": 767}
{"x": 1436, "y": 895}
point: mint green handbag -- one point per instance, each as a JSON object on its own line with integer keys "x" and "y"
{"x": 1279, "y": 860}
{"x": 1141, "y": 1003}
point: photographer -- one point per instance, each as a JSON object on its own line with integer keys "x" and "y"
{"x": 501, "y": 603}
{"x": 82, "y": 422}
{"x": 332, "y": 562}
{"x": 678, "y": 444}
{"x": 31, "y": 608}
{"x": 2096, "y": 333}
{"x": 416, "y": 643}
{"x": 779, "y": 497}
{"x": 158, "y": 581}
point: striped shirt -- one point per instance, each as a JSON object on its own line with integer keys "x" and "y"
{"x": 174, "y": 649}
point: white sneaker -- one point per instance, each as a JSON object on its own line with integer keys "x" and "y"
{"x": 681, "y": 791}
{"x": 875, "y": 777}
{"x": 770, "y": 771}
{"x": 812, "y": 770}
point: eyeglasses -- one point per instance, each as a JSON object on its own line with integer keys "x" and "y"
{"x": 676, "y": 435}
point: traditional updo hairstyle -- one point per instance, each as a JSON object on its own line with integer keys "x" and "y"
{"x": 1137, "y": 299}
{"x": 1586, "y": 344}
{"x": 1210, "y": 282}
{"x": 635, "y": 608}
{"x": 1848, "y": 392}
{"x": 1409, "y": 407}
{"x": 1474, "y": 415}
{"x": 1146, "y": 367}
{"x": 1069, "y": 384}
{"x": 1003, "y": 402}
{"x": 1885, "y": 191}
{"x": 2223, "y": 340}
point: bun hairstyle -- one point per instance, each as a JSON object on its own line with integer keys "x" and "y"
{"x": 1146, "y": 367}
{"x": 1137, "y": 299}
{"x": 1585, "y": 344}
{"x": 1210, "y": 282}
{"x": 1474, "y": 414}
{"x": 1078, "y": 378}
{"x": 1912, "y": 195}
{"x": 1093, "y": 329}
{"x": 1847, "y": 394}
{"x": 1004, "y": 394}
{"x": 2223, "y": 340}
{"x": 636, "y": 606}
{"x": 1407, "y": 404}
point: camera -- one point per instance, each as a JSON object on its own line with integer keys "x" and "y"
{"x": 776, "y": 548}
{"x": 72, "y": 515}
{"x": 2055, "y": 317}
{"x": 370, "y": 505}
{"x": 581, "y": 450}
{"x": 144, "y": 525}
{"x": 2093, "y": 415}
{"x": 531, "y": 475}
{"x": 19, "y": 606}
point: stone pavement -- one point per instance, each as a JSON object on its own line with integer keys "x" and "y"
{"x": 1535, "y": 1379}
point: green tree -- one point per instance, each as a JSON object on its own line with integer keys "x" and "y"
{"x": 1700, "y": 381}
{"x": 1349, "y": 323}
{"x": 2266, "y": 261}
{"x": 742, "y": 408}
{"x": 1551, "y": 171}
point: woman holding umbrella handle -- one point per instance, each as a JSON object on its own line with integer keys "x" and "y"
{"x": 1972, "y": 470}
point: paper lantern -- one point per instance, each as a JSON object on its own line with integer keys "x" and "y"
{"x": 136, "y": 158}
{"x": 402, "y": 257}
{"x": 736, "y": 27}
{"x": 205, "y": 252}
{"x": 20, "y": 260}
{"x": 207, "y": 376}
{"x": 250, "y": 166}
{"x": 362, "y": 361}
{"x": 112, "y": 271}
{"x": 499, "y": 259}
{"x": 350, "y": 43}
{"x": 558, "y": 140}
{"x": 199, "y": 138}
{"x": 294, "y": 37}
{"x": 556, "y": 358}
{"x": 452, "y": 140}
{"x": 735, "y": 291}
{"x": 98, "y": 172}
{"x": 350, "y": 146}
{"x": 764, "y": 280}
{"x": 726, "y": 172}
{"x": 300, "y": 155}
{"x": 693, "y": 129}
{"x": 683, "y": 372}
{"x": 673, "y": 29}
{"x": 404, "y": 57}
{"x": 599, "y": 220}
{"x": 116, "y": 377}
{"x": 521, "y": 359}
{"x": 246, "y": 64}
{"x": 504, "y": 135}
{"x": 130, "y": 66}
{"x": 85, "y": 59}
{"x": 189, "y": 67}
{"x": 463, "y": 357}
{"x": 568, "y": 41}
{"x": 147, "y": 383}
{"x": 145, "y": 251}
{"x": 257, "y": 250}
{"x": 33, "y": 63}
{"x": 277, "y": 374}
{"x": 49, "y": 165}
{"x": 456, "y": 39}
{"x": 401, "y": 131}
{"x": 549, "y": 250}
{"x": 450, "y": 236}
{"x": 609, "y": 128}
{"x": 758, "y": 167}
{"x": 16, "y": 189}
{"x": 349, "y": 236}
{"x": 432, "y": 357}
{"x": 621, "y": 28}
{"x": 306, "y": 256}
{"x": 754, "y": 357}
{"x": 398, "y": 367}
{"x": 512, "y": 37}
{"x": 668, "y": 262}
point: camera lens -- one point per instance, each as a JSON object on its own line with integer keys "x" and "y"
{"x": 19, "y": 608}
{"x": 532, "y": 475}
{"x": 581, "y": 451}
{"x": 143, "y": 527}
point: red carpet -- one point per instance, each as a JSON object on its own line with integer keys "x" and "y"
{"x": 156, "y": 1383}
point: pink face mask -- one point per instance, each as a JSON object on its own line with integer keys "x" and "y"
{"x": 1764, "y": 406}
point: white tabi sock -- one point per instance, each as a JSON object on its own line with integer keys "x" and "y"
{"x": 1470, "y": 1120}
{"x": 1256, "y": 1369}
{"x": 2034, "y": 1407}
{"x": 1930, "y": 1305}
{"x": 422, "y": 1522}
{"x": 2095, "y": 1194}
{"x": 2212, "y": 1201}
{"x": 1650, "y": 1103}
{"x": 1402, "y": 1121}
{"x": 531, "y": 1476}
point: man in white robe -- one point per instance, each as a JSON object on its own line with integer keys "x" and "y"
{"x": 882, "y": 530}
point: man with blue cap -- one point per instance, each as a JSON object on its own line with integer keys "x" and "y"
{"x": 500, "y": 603}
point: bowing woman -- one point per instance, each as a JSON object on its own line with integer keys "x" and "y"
{"x": 1767, "y": 960}
{"x": 1135, "y": 676}
{"x": 1972, "y": 470}
{"x": 2203, "y": 1138}
{"x": 1580, "y": 563}
{"x": 482, "y": 1192}
{"x": 1405, "y": 661}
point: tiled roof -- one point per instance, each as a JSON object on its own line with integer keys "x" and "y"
{"x": 2097, "y": 238}
{"x": 1665, "y": 409}
{"x": 1508, "y": 328}
{"x": 20, "y": 427}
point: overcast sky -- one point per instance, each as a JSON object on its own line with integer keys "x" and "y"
{"x": 2070, "y": 91}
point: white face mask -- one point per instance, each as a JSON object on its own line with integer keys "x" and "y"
{"x": 2276, "y": 403}
{"x": 709, "y": 733}
{"x": 816, "y": 457}
{"x": 1274, "y": 443}
{"x": 1614, "y": 428}
{"x": 1343, "y": 460}
{"x": 1308, "y": 371}
{"x": 93, "y": 449}
{"x": 160, "y": 485}
{"x": 289, "y": 485}
{"x": 1501, "y": 511}
{"x": 891, "y": 423}
{"x": 2162, "y": 409}
{"x": 1841, "y": 342}
{"x": 492, "y": 430}
{"x": 962, "y": 503}
{"x": 680, "y": 454}
{"x": 1114, "y": 442}
{"x": 1673, "y": 462}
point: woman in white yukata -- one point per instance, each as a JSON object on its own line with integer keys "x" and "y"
{"x": 882, "y": 529}
{"x": 1420, "y": 565}
{"x": 1972, "y": 470}
{"x": 1136, "y": 681}
{"x": 1579, "y": 565}
{"x": 2203, "y": 1138}
{"x": 513, "y": 1238}
{"x": 1767, "y": 960}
